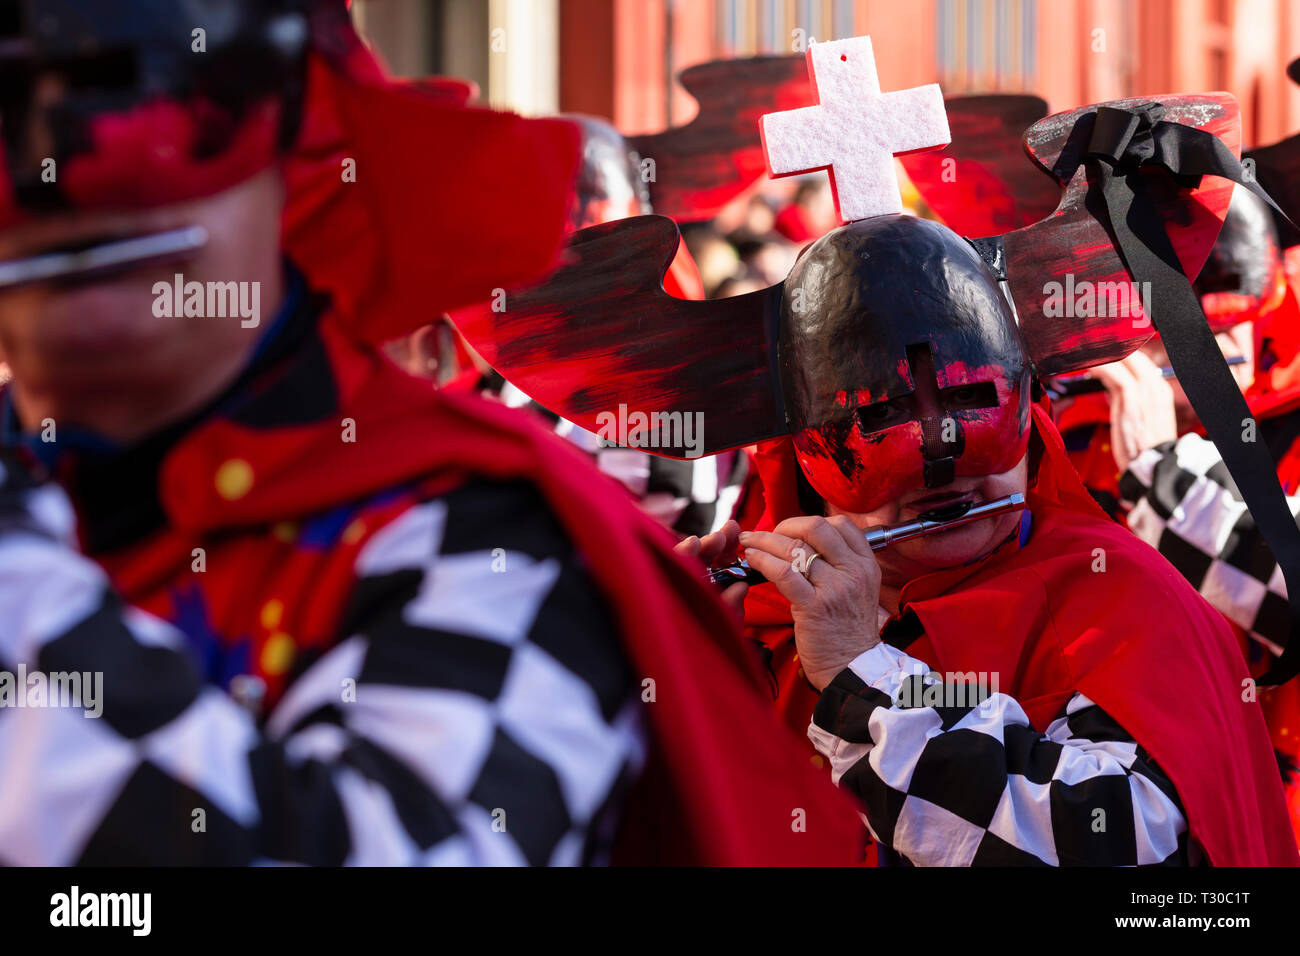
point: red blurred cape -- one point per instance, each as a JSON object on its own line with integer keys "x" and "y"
{"x": 724, "y": 778}
{"x": 793, "y": 223}
{"x": 1092, "y": 458}
{"x": 1173, "y": 678}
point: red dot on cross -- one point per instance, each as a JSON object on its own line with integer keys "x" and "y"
{"x": 853, "y": 107}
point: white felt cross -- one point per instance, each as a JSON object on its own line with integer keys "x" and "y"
{"x": 856, "y": 130}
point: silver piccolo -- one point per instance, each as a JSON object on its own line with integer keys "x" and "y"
{"x": 1082, "y": 383}
{"x": 943, "y": 519}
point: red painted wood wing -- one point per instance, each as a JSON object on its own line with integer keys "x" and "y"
{"x": 601, "y": 333}
{"x": 982, "y": 183}
{"x": 1073, "y": 241}
{"x": 702, "y": 166}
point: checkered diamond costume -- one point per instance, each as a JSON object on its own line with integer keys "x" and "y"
{"x": 973, "y": 783}
{"x": 1186, "y": 506}
{"x": 321, "y": 533}
{"x": 480, "y": 711}
{"x": 691, "y": 496}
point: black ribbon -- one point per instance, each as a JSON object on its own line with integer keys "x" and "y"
{"x": 1123, "y": 147}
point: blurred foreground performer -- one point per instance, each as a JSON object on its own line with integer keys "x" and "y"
{"x": 1036, "y": 686}
{"x": 325, "y": 613}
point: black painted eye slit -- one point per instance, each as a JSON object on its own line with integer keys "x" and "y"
{"x": 881, "y": 415}
{"x": 965, "y": 397}
{"x": 877, "y": 416}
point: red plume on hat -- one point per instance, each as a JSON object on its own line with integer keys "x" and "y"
{"x": 379, "y": 226}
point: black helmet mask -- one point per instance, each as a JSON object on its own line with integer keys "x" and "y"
{"x": 900, "y": 362}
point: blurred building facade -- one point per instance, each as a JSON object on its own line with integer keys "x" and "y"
{"x": 616, "y": 58}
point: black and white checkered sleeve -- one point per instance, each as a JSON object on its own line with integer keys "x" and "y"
{"x": 948, "y": 776}
{"x": 478, "y": 710}
{"x": 690, "y": 496}
{"x": 1186, "y": 506}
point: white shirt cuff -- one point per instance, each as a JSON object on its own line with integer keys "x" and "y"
{"x": 885, "y": 668}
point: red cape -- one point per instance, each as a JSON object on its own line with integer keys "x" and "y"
{"x": 725, "y": 780}
{"x": 1174, "y": 679}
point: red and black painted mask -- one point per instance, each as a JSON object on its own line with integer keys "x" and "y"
{"x": 1243, "y": 279}
{"x": 900, "y": 362}
{"x": 126, "y": 104}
